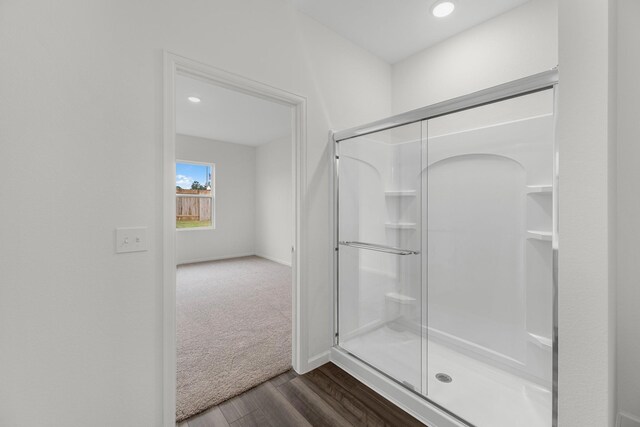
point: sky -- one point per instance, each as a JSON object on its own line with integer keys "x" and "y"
{"x": 186, "y": 173}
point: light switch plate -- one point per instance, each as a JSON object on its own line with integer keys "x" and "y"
{"x": 131, "y": 239}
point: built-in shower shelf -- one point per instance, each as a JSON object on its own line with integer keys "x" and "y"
{"x": 533, "y": 189}
{"x": 539, "y": 235}
{"x": 401, "y": 225}
{"x": 400, "y": 193}
{"x": 399, "y": 298}
{"x": 543, "y": 342}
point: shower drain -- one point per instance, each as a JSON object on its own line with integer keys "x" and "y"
{"x": 443, "y": 378}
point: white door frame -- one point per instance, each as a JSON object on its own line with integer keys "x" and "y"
{"x": 175, "y": 65}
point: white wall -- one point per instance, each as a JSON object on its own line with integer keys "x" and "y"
{"x": 586, "y": 139}
{"x": 273, "y": 201}
{"x": 515, "y": 44}
{"x": 81, "y": 90}
{"x": 351, "y": 87}
{"x": 235, "y": 202}
{"x": 253, "y": 201}
{"x": 628, "y": 291}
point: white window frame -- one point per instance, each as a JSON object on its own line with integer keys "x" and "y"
{"x": 203, "y": 196}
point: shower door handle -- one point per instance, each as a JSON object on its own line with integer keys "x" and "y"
{"x": 379, "y": 248}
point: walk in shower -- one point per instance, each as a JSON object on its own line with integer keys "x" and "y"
{"x": 446, "y": 248}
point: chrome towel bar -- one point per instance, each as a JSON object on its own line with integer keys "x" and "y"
{"x": 379, "y": 248}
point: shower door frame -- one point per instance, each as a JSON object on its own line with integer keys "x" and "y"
{"x": 535, "y": 83}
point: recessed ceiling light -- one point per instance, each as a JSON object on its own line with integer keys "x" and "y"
{"x": 194, "y": 99}
{"x": 442, "y": 9}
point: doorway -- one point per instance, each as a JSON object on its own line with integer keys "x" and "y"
{"x": 208, "y": 219}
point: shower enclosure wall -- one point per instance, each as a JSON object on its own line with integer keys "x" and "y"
{"x": 445, "y": 253}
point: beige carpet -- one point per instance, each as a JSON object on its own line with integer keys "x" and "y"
{"x": 233, "y": 325}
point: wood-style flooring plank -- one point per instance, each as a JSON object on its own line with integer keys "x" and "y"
{"x": 239, "y": 406}
{"x": 315, "y": 409}
{"x": 276, "y": 408}
{"x": 389, "y": 412}
{"x": 340, "y": 400}
{"x": 211, "y": 418}
{"x": 283, "y": 378}
{"x": 324, "y": 397}
{"x": 253, "y": 419}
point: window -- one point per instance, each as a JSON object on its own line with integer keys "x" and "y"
{"x": 195, "y": 192}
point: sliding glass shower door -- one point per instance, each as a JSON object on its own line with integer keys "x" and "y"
{"x": 446, "y": 236}
{"x": 381, "y": 310}
{"x": 490, "y": 183}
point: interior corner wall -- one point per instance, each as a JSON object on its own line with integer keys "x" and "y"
{"x": 234, "y": 202}
{"x": 348, "y": 87}
{"x": 628, "y": 231}
{"x": 273, "y": 201}
{"x": 516, "y": 44}
{"x": 82, "y": 95}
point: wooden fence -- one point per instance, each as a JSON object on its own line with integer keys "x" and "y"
{"x": 193, "y": 208}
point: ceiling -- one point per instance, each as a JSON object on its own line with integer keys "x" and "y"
{"x": 227, "y": 115}
{"x": 396, "y": 29}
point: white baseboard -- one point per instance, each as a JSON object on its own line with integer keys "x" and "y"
{"x": 270, "y": 258}
{"x": 217, "y": 258}
{"x": 221, "y": 257}
{"x": 627, "y": 420}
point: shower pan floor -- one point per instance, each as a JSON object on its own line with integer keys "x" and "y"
{"x": 480, "y": 393}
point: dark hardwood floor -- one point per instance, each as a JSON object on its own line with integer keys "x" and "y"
{"x": 326, "y": 396}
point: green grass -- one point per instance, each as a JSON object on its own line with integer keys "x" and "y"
{"x": 192, "y": 224}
